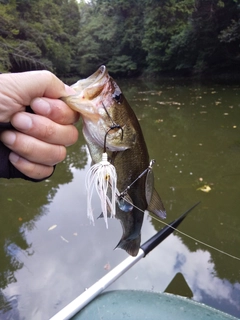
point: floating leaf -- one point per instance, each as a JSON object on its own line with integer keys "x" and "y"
{"x": 205, "y": 188}
{"x": 52, "y": 227}
{"x": 64, "y": 239}
{"x": 107, "y": 266}
{"x": 19, "y": 219}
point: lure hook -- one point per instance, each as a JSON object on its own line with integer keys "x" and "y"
{"x": 112, "y": 127}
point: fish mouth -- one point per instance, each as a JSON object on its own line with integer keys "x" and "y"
{"x": 89, "y": 93}
{"x": 97, "y": 79}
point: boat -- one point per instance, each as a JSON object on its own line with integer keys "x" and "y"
{"x": 138, "y": 305}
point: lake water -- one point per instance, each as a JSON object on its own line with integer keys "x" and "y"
{"x": 49, "y": 251}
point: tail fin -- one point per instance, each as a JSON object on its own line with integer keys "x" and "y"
{"x": 131, "y": 246}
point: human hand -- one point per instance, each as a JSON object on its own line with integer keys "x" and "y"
{"x": 40, "y": 139}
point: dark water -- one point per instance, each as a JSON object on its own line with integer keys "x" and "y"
{"x": 193, "y": 132}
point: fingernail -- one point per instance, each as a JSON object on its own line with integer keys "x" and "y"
{"x": 41, "y": 106}
{"x": 22, "y": 121}
{"x": 8, "y": 138}
{"x": 13, "y": 157}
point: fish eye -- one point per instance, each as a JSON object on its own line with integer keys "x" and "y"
{"x": 118, "y": 97}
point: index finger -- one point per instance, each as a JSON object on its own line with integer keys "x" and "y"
{"x": 54, "y": 109}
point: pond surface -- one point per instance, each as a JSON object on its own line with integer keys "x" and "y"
{"x": 49, "y": 251}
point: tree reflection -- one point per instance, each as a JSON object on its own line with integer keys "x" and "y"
{"x": 22, "y": 204}
{"x": 8, "y": 307}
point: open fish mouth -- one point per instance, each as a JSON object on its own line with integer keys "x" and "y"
{"x": 90, "y": 93}
{"x": 98, "y": 78}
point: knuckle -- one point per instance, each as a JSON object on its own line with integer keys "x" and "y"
{"x": 46, "y": 74}
{"x": 59, "y": 112}
{"x": 49, "y": 131}
{"x": 25, "y": 146}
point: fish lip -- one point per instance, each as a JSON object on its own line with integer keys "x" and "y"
{"x": 97, "y": 78}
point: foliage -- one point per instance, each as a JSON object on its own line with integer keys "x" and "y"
{"x": 110, "y": 33}
{"x": 131, "y": 37}
{"x": 38, "y": 34}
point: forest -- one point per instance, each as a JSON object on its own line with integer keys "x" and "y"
{"x": 131, "y": 37}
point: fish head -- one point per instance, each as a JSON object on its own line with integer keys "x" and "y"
{"x": 104, "y": 111}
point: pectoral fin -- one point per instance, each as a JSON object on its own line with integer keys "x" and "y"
{"x": 156, "y": 206}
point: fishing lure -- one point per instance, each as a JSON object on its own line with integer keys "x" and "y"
{"x": 103, "y": 176}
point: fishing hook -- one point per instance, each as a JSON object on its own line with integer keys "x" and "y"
{"x": 112, "y": 127}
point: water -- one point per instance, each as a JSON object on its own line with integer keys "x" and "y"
{"x": 49, "y": 252}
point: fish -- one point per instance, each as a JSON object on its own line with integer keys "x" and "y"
{"x": 110, "y": 125}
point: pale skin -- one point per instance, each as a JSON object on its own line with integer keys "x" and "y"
{"x": 40, "y": 139}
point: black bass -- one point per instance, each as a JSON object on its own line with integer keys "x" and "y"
{"x": 109, "y": 124}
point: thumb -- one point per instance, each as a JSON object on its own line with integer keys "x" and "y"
{"x": 32, "y": 84}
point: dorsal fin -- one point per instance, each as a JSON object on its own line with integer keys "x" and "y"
{"x": 156, "y": 206}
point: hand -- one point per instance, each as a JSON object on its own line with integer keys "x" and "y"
{"x": 40, "y": 139}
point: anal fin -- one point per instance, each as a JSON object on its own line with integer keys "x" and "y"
{"x": 131, "y": 246}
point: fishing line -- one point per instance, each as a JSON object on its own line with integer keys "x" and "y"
{"x": 186, "y": 235}
{"x": 199, "y": 241}
{"x": 122, "y": 195}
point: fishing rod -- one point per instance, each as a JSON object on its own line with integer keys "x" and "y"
{"x": 82, "y": 300}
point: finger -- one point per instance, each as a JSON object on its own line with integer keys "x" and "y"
{"x": 30, "y": 169}
{"x": 55, "y": 110}
{"x": 32, "y": 149}
{"x": 44, "y": 129}
{"x": 42, "y": 83}
{"x": 19, "y": 89}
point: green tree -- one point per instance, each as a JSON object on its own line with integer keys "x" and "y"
{"x": 8, "y": 31}
{"x": 203, "y": 46}
{"x": 38, "y": 34}
{"x": 71, "y": 38}
{"x": 163, "y": 21}
{"x": 111, "y": 34}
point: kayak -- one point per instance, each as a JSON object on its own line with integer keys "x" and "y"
{"x": 137, "y": 305}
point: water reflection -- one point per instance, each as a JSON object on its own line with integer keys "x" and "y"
{"x": 193, "y": 132}
{"x": 23, "y": 203}
{"x": 72, "y": 256}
